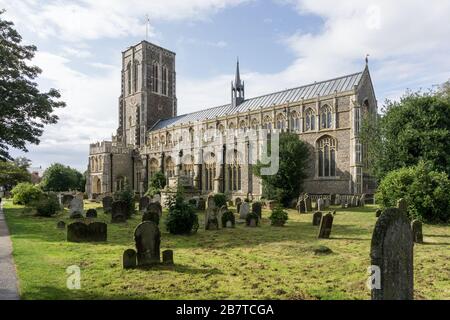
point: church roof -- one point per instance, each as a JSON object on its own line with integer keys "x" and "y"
{"x": 323, "y": 88}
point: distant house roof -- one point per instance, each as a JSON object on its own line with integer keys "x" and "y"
{"x": 323, "y": 88}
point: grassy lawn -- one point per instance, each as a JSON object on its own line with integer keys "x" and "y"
{"x": 241, "y": 263}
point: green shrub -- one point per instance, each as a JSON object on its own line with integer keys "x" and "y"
{"x": 251, "y": 216}
{"x": 278, "y": 217}
{"x": 228, "y": 216}
{"x": 26, "y": 193}
{"x": 220, "y": 200}
{"x": 156, "y": 184}
{"x": 47, "y": 205}
{"x": 126, "y": 195}
{"x": 426, "y": 192}
{"x": 181, "y": 218}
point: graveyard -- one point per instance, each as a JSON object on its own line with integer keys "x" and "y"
{"x": 263, "y": 262}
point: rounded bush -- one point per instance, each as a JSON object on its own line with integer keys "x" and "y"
{"x": 426, "y": 192}
{"x": 181, "y": 218}
{"x": 278, "y": 217}
{"x": 26, "y": 193}
{"x": 220, "y": 200}
{"x": 47, "y": 205}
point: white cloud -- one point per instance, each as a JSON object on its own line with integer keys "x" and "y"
{"x": 90, "y": 20}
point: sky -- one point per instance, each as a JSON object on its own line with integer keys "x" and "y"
{"x": 280, "y": 44}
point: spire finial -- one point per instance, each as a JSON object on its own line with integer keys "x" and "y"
{"x": 237, "y": 81}
{"x": 367, "y": 59}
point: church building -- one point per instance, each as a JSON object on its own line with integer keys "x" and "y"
{"x": 200, "y": 150}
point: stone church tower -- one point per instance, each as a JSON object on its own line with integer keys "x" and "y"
{"x": 148, "y": 91}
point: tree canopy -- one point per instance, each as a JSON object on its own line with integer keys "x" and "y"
{"x": 11, "y": 174}
{"x": 285, "y": 185}
{"x": 413, "y": 129}
{"x": 58, "y": 177}
{"x": 24, "y": 110}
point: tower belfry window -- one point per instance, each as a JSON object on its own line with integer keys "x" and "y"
{"x": 155, "y": 78}
{"x": 165, "y": 81}
{"x": 135, "y": 76}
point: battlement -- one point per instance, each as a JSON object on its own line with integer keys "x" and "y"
{"x": 100, "y": 147}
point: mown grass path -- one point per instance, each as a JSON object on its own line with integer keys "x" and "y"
{"x": 242, "y": 263}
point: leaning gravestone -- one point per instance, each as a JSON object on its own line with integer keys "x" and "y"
{"x": 317, "y": 216}
{"x": 119, "y": 212}
{"x": 91, "y": 213}
{"x": 326, "y": 223}
{"x": 211, "y": 219}
{"x": 148, "y": 239}
{"x": 107, "y": 204}
{"x": 257, "y": 208}
{"x": 143, "y": 203}
{"x": 244, "y": 210}
{"x": 416, "y": 227}
{"x": 129, "y": 259}
{"x": 392, "y": 252}
{"x": 76, "y": 208}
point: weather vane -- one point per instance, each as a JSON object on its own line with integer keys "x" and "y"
{"x": 367, "y": 58}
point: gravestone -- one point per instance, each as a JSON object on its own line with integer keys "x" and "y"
{"x": 167, "y": 257}
{"x": 244, "y": 210}
{"x": 223, "y": 209}
{"x": 317, "y": 216}
{"x": 257, "y": 208}
{"x": 91, "y": 213}
{"x": 76, "y": 208}
{"x": 229, "y": 224}
{"x": 107, "y": 204}
{"x": 155, "y": 207}
{"x": 416, "y": 227}
{"x": 378, "y": 213}
{"x": 402, "y": 206}
{"x": 332, "y": 199}
{"x": 308, "y": 204}
{"x": 143, "y": 203}
{"x": 129, "y": 259}
{"x": 152, "y": 213}
{"x": 320, "y": 204}
{"x": 148, "y": 239}
{"x": 66, "y": 199}
{"x": 237, "y": 201}
{"x": 392, "y": 252}
{"x": 238, "y": 206}
{"x": 77, "y": 232}
{"x": 362, "y": 200}
{"x": 61, "y": 225}
{"x": 211, "y": 219}
{"x": 97, "y": 232}
{"x": 301, "y": 206}
{"x": 210, "y": 203}
{"x": 253, "y": 223}
{"x": 326, "y": 223}
{"x": 119, "y": 212}
{"x": 337, "y": 200}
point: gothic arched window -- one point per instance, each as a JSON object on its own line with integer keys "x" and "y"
{"x": 325, "y": 117}
{"x": 165, "y": 81}
{"x": 210, "y": 171}
{"x": 310, "y": 120}
{"x": 243, "y": 125}
{"x": 170, "y": 167}
{"x": 326, "y": 149}
{"x": 254, "y": 124}
{"x": 267, "y": 123}
{"x": 135, "y": 75}
{"x": 188, "y": 165}
{"x": 155, "y": 77}
{"x": 234, "y": 161}
{"x": 153, "y": 167}
{"x": 295, "y": 121}
{"x": 280, "y": 121}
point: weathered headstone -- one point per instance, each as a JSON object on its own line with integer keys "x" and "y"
{"x": 155, "y": 207}
{"x": 301, "y": 206}
{"x": 244, "y": 210}
{"x": 211, "y": 219}
{"x": 253, "y": 223}
{"x": 229, "y": 224}
{"x": 201, "y": 205}
{"x": 223, "y": 210}
{"x": 320, "y": 204}
{"x": 257, "y": 208}
{"x": 97, "y": 232}
{"x": 148, "y": 239}
{"x": 308, "y": 204}
{"x": 143, "y": 203}
{"x": 332, "y": 199}
{"x": 61, "y": 225}
{"x": 152, "y": 213}
{"x": 107, "y": 204}
{"x": 416, "y": 227}
{"x": 402, "y": 206}
{"x": 77, "y": 232}
{"x": 392, "y": 252}
{"x": 76, "y": 208}
{"x": 362, "y": 200}
{"x": 119, "y": 212}
{"x": 167, "y": 257}
{"x": 129, "y": 259}
{"x": 337, "y": 200}
{"x": 326, "y": 223}
{"x": 317, "y": 216}
{"x": 91, "y": 213}
{"x": 237, "y": 201}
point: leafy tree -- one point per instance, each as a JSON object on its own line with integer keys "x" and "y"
{"x": 58, "y": 177}
{"x": 126, "y": 195}
{"x": 26, "y": 193}
{"x": 22, "y": 162}
{"x": 426, "y": 192}
{"x": 278, "y": 217}
{"x": 182, "y": 218}
{"x": 413, "y": 129}
{"x": 156, "y": 184}
{"x": 285, "y": 185}
{"x": 24, "y": 110}
{"x": 11, "y": 174}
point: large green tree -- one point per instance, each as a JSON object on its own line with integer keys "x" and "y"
{"x": 415, "y": 128}
{"x": 11, "y": 174}
{"x": 286, "y": 184}
{"x": 58, "y": 177}
{"x": 24, "y": 110}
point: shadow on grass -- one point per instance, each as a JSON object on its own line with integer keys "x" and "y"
{"x": 436, "y": 243}
{"x": 179, "y": 268}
